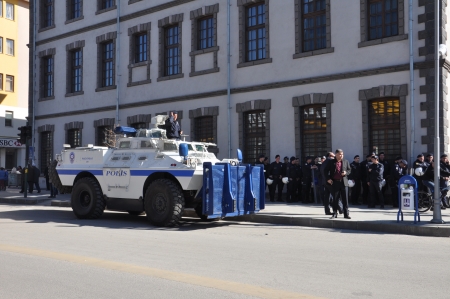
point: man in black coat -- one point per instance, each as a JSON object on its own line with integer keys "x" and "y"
{"x": 276, "y": 174}
{"x": 336, "y": 173}
{"x": 307, "y": 179}
{"x": 356, "y": 177}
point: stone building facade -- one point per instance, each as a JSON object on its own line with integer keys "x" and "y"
{"x": 298, "y": 79}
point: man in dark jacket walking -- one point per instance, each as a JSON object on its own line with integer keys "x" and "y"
{"x": 336, "y": 173}
{"x": 33, "y": 178}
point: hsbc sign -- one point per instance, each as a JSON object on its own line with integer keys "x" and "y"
{"x": 9, "y": 143}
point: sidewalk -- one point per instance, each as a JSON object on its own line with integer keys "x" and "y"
{"x": 310, "y": 215}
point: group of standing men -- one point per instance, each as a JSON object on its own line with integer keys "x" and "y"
{"x": 299, "y": 178}
{"x": 333, "y": 173}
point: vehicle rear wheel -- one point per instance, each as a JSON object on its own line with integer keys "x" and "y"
{"x": 425, "y": 201}
{"x": 87, "y": 200}
{"x": 164, "y": 203}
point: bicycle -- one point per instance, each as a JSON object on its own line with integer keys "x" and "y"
{"x": 426, "y": 200}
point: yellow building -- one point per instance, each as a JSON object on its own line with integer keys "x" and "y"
{"x": 14, "y": 37}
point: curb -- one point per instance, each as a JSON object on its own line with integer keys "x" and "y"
{"x": 22, "y": 201}
{"x": 60, "y": 203}
{"x": 368, "y": 226}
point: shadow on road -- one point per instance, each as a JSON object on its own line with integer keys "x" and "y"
{"x": 110, "y": 219}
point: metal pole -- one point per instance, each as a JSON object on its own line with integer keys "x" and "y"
{"x": 118, "y": 64}
{"x": 229, "y": 75}
{"x": 437, "y": 217}
{"x": 411, "y": 82}
{"x": 27, "y": 162}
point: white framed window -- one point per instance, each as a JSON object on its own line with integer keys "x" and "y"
{"x": 9, "y": 11}
{"x": 1, "y": 43}
{"x": 1, "y": 81}
{"x": 9, "y": 46}
{"x": 1, "y": 8}
{"x": 9, "y": 83}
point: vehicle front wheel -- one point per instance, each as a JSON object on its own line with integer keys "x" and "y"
{"x": 164, "y": 203}
{"x": 87, "y": 200}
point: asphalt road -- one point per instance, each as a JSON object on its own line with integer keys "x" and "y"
{"x": 45, "y": 252}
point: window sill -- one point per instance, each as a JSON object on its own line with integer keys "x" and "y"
{"x": 138, "y": 64}
{"x": 382, "y": 40}
{"x": 204, "y": 51}
{"x": 256, "y": 62}
{"x": 46, "y": 28}
{"x": 313, "y": 53}
{"x": 106, "y": 9}
{"x": 204, "y": 72}
{"x": 137, "y": 83}
{"x": 106, "y": 88}
{"x": 74, "y": 20}
{"x": 133, "y": 1}
{"x": 46, "y": 99}
{"x": 73, "y": 94}
{"x": 165, "y": 78}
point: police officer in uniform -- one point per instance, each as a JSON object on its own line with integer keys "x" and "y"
{"x": 387, "y": 170}
{"x": 299, "y": 179}
{"x": 307, "y": 179}
{"x": 444, "y": 177}
{"x": 292, "y": 174}
{"x": 276, "y": 174}
{"x": 260, "y": 160}
{"x": 374, "y": 179}
{"x": 173, "y": 128}
{"x": 355, "y": 175}
{"x": 400, "y": 169}
{"x": 363, "y": 174}
{"x": 420, "y": 162}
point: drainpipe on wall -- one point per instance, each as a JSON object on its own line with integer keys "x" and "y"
{"x": 229, "y": 75}
{"x": 33, "y": 83}
{"x": 118, "y": 64}
{"x": 411, "y": 82}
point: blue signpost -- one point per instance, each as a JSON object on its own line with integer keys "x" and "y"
{"x": 408, "y": 198}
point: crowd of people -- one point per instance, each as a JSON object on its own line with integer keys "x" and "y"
{"x": 33, "y": 174}
{"x": 333, "y": 181}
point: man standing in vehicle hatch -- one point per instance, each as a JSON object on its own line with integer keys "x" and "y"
{"x": 173, "y": 128}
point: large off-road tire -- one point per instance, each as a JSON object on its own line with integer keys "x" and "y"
{"x": 87, "y": 200}
{"x": 54, "y": 177}
{"x": 164, "y": 203}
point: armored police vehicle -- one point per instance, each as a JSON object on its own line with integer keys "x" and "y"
{"x": 159, "y": 176}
